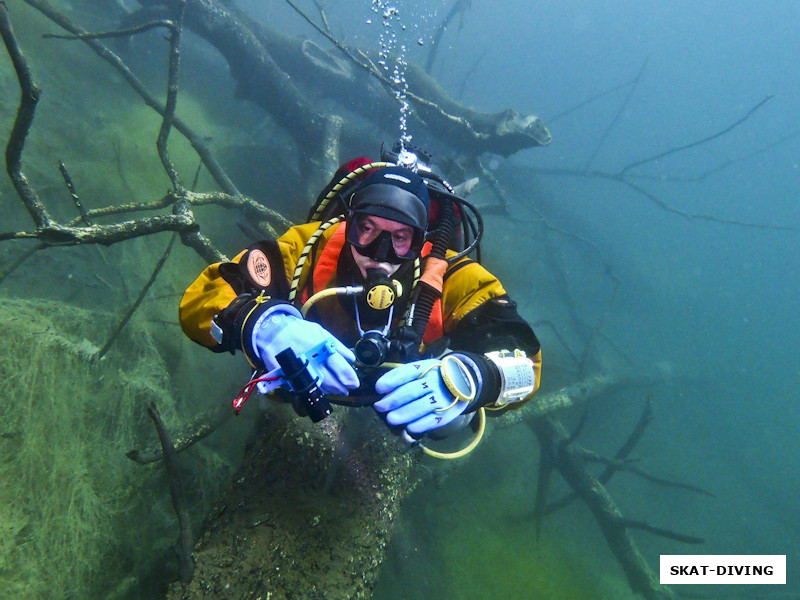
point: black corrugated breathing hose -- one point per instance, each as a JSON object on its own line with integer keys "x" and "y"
{"x": 430, "y": 288}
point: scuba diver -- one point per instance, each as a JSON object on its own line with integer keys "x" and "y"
{"x": 374, "y": 302}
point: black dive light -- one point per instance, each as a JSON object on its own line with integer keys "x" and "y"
{"x": 309, "y": 399}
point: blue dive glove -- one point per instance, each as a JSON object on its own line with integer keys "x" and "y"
{"x": 282, "y": 327}
{"x": 417, "y": 397}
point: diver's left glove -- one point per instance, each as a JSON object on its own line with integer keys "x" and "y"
{"x": 280, "y": 326}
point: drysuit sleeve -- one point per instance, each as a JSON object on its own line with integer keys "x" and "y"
{"x": 493, "y": 326}
{"x": 214, "y": 307}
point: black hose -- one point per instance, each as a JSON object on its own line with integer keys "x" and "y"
{"x": 428, "y": 294}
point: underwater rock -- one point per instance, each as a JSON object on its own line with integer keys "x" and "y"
{"x": 77, "y": 518}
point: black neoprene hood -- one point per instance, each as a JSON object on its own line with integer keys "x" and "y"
{"x": 394, "y": 193}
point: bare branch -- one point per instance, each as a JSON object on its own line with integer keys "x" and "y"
{"x": 571, "y": 466}
{"x": 29, "y": 97}
{"x": 194, "y": 239}
{"x": 613, "y": 122}
{"x": 129, "y": 313}
{"x": 661, "y": 532}
{"x": 634, "y": 437}
{"x": 116, "y": 33}
{"x": 197, "y": 142}
{"x": 65, "y": 235}
{"x": 622, "y": 465}
{"x": 469, "y": 72}
{"x": 17, "y": 262}
{"x": 625, "y": 180}
{"x": 624, "y": 451}
{"x": 200, "y": 427}
{"x": 178, "y": 495}
{"x": 172, "y": 98}
{"x": 72, "y": 192}
{"x": 705, "y": 140}
{"x": 323, "y": 16}
{"x": 724, "y": 165}
{"x": 459, "y": 7}
{"x": 589, "y": 100}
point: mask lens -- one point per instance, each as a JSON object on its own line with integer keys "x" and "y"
{"x": 395, "y": 244}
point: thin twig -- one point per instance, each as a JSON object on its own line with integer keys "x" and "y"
{"x": 197, "y": 175}
{"x": 116, "y": 33}
{"x": 589, "y": 100}
{"x": 469, "y": 73}
{"x": 135, "y": 305}
{"x": 705, "y": 140}
{"x": 579, "y": 427}
{"x": 17, "y": 262}
{"x": 706, "y": 174}
{"x": 661, "y": 532}
{"x": 613, "y": 122}
{"x": 621, "y": 465}
{"x": 72, "y": 192}
{"x": 459, "y": 7}
{"x": 625, "y": 180}
{"x": 323, "y": 16}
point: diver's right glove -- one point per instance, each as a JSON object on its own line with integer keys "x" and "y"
{"x": 429, "y": 394}
{"x": 420, "y": 397}
{"x": 282, "y": 326}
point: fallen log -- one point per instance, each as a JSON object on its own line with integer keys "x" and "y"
{"x": 289, "y": 77}
{"x": 313, "y": 508}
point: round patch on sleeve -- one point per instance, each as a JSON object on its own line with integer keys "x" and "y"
{"x": 258, "y": 267}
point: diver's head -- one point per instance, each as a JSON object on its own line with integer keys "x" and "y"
{"x": 388, "y": 219}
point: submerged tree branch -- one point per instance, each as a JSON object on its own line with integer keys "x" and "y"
{"x": 135, "y": 305}
{"x": 697, "y": 143}
{"x": 29, "y": 97}
{"x": 197, "y": 142}
{"x": 613, "y": 122}
{"x": 81, "y": 230}
{"x": 661, "y": 532}
{"x": 73, "y": 193}
{"x": 178, "y": 494}
{"x": 625, "y": 180}
{"x": 144, "y": 27}
{"x": 622, "y": 465}
{"x": 459, "y": 8}
{"x": 172, "y": 98}
{"x": 571, "y": 465}
{"x": 201, "y": 427}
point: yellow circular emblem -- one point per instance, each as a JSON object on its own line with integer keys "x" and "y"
{"x": 380, "y": 297}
